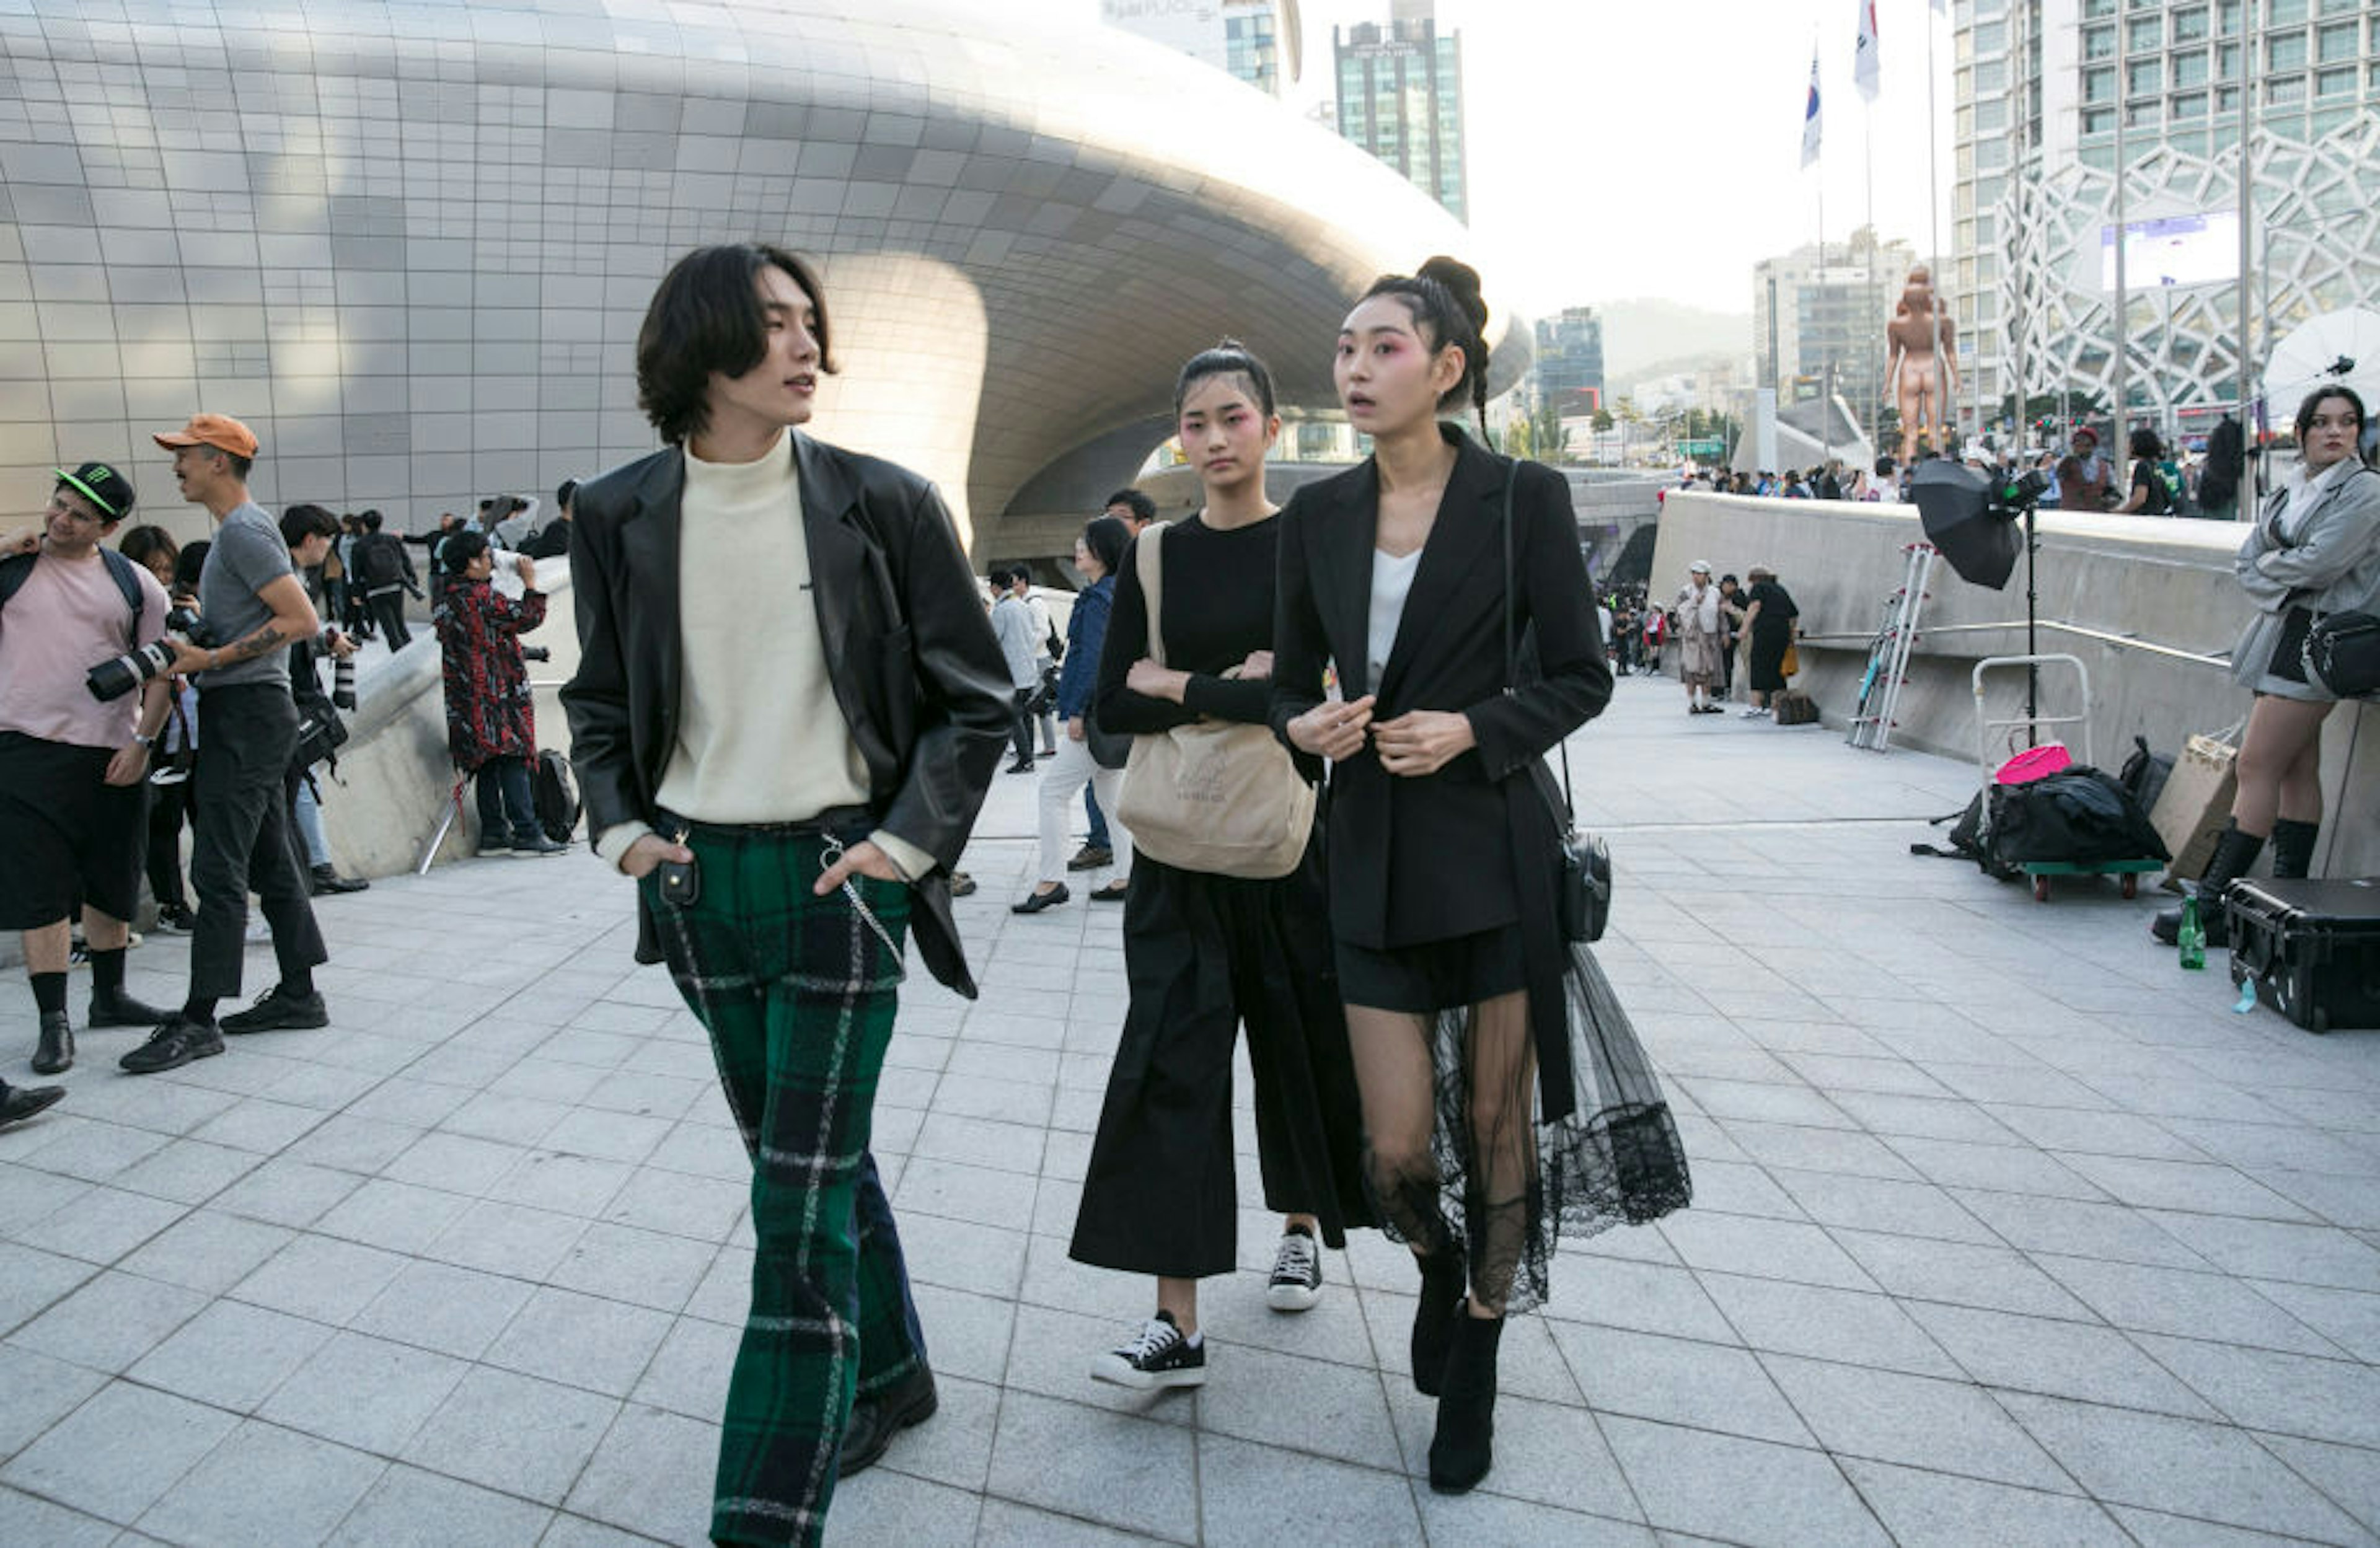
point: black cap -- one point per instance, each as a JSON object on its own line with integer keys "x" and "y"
{"x": 102, "y": 486}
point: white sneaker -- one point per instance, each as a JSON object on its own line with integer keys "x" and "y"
{"x": 1296, "y": 1282}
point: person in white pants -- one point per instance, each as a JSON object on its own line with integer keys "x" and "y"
{"x": 1098, "y": 552}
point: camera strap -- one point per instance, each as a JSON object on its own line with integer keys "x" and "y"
{"x": 18, "y": 568}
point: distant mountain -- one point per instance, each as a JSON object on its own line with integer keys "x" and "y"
{"x": 1646, "y": 332}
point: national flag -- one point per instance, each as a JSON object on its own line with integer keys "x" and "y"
{"x": 1863, "y": 60}
{"x": 1810, "y": 116}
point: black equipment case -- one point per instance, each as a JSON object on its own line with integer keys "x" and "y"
{"x": 2313, "y": 946}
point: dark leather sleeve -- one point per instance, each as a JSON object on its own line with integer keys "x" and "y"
{"x": 1573, "y": 680}
{"x": 596, "y": 698}
{"x": 962, "y": 695}
{"x": 1299, "y": 645}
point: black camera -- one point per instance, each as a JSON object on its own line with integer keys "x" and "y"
{"x": 117, "y": 676}
{"x": 536, "y": 653}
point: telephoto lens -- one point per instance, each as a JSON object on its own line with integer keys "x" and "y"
{"x": 536, "y": 653}
{"x": 115, "y": 678}
{"x": 342, "y": 681}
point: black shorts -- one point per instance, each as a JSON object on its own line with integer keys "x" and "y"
{"x": 1434, "y": 974}
{"x": 71, "y": 837}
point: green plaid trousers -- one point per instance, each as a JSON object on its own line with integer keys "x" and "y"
{"x": 799, "y": 994}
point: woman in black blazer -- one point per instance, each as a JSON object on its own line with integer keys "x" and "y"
{"x": 1497, "y": 1071}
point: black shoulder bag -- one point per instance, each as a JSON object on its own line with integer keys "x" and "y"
{"x": 1583, "y": 862}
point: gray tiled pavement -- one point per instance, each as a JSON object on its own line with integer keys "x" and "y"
{"x": 2008, "y": 1232}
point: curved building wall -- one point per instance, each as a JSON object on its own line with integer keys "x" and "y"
{"x": 410, "y": 243}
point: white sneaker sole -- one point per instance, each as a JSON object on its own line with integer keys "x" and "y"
{"x": 1122, "y": 1373}
{"x": 1293, "y": 1297}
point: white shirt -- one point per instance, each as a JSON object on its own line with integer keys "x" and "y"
{"x": 1392, "y": 579}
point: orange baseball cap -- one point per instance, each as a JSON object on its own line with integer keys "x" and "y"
{"x": 219, "y": 430}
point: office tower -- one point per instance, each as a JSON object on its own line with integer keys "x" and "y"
{"x": 1399, "y": 89}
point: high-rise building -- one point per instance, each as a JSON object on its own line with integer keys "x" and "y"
{"x": 1570, "y": 361}
{"x": 1818, "y": 318}
{"x": 1400, "y": 91}
{"x": 2039, "y": 85}
{"x": 1255, "y": 39}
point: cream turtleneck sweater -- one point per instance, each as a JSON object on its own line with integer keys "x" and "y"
{"x": 760, "y": 738}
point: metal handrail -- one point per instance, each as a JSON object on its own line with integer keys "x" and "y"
{"x": 2102, "y": 636}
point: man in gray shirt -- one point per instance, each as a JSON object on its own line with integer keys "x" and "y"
{"x": 253, "y": 608}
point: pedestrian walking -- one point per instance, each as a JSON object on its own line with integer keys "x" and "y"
{"x": 1207, "y": 953}
{"x": 1504, "y": 1094}
{"x": 1098, "y": 552}
{"x": 789, "y": 785}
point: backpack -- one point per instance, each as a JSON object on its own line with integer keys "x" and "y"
{"x": 379, "y": 561}
{"x": 2143, "y": 774}
{"x": 2081, "y": 816}
{"x": 556, "y": 796}
{"x": 18, "y": 568}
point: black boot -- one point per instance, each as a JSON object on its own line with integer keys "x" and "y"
{"x": 1433, "y": 1315}
{"x": 2234, "y": 852}
{"x": 56, "y": 1050}
{"x": 1464, "y": 1448}
{"x": 2293, "y": 849}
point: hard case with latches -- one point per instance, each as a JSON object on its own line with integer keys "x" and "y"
{"x": 2312, "y": 948}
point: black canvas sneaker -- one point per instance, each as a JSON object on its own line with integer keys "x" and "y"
{"x": 1158, "y": 1356}
{"x": 1296, "y": 1272}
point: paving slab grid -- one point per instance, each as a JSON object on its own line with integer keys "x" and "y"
{"x": 2007, "y": 1232}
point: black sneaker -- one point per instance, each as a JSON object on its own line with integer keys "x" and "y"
{"x": 175, "y": 1043}
{"x": 1090, "y": 857}
{"x": 539, "y": 845}
{"x": 489, "y": 847}
{"x": 176, "y": 920}
{"x": 962, "y": 884}
{"x": 274, "y": 1012}
{"x": 1158, "y": 1356}
{"x": 1296, "y": 1282}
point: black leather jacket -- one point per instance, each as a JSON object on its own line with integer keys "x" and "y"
{"x": 915, "y": 670}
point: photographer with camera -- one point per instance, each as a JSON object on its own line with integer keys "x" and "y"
{"x": 311, "y": 531}
{"x": 72, "y": 764}
{"x": 254, "y": 609}
{"x": 490, "y": 714}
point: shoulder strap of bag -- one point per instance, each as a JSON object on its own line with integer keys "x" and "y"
{"x": 1512, "y": 639}
{"x": 1148, "y": 563}
{"x": 18, "y": 568}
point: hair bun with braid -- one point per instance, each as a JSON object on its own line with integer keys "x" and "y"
{"x": 1446, "y": 306}
{"x": 1462, "y": 280}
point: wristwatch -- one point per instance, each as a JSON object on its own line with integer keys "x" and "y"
{"x": 145, "y": 741}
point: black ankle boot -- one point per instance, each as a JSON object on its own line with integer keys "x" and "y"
{"x": 56, "y": 1049}
{"x": 2293, "y": 849}
{"x": 1435, "y": 1314}
{"x": 1464, "y": 1448}
{"x": 2234, "y": 852}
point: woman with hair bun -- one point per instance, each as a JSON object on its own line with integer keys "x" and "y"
{"x": 1206, "y": 953}
{"x": 1504, "y": 1095}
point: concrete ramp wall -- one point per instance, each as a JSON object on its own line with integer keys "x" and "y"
{"x": 395, "y": 780}
{"x": 2141, "y": 600}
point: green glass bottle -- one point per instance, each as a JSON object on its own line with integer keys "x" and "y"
{"x": 2193, "y": 936}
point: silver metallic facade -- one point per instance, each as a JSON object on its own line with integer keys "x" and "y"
{"x": 411, "y": 243}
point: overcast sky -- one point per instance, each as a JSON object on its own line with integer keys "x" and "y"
{"x": 1620, "y": 149}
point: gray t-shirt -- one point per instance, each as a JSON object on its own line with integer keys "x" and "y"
{"x": 247, "y": 555}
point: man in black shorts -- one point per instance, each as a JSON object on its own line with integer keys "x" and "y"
{"x": 73, "y": 768}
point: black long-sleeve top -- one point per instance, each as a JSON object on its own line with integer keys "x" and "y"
{"x": 1217, "y": 605}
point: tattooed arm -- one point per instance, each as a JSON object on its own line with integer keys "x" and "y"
{"x": 293, "y": 618}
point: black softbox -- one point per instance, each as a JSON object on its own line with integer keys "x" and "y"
{"x": 1976, "y": 534}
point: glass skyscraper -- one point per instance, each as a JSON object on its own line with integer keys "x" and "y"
{"x": 1400, "y": 98}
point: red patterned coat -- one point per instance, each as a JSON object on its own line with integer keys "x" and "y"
{"x": 490, "y": 712}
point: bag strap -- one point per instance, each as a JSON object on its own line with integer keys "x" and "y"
{"x": 1511, "y": 637}
{"x": 1148, "y": 563}
{"x": 16, "y": 569}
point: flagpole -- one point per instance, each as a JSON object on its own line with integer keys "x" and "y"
{"x": 1939, "y": 396}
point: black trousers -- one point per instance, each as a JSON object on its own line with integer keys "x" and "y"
{"x": 168, "y": 805}
{"x": 241, "y": 842}
{"x": 388, "y": 612}
{"x": 1205, "y": 954}
{"x": 1020, "y": 731}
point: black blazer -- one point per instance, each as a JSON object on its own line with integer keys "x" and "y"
{"x": 916, "y": 671}
{"x": 1471, "y": 847}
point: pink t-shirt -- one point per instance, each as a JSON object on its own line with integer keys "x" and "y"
{"x": 68, "y": 617}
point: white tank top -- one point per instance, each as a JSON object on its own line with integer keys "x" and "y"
{"x": 1391, "y": 583}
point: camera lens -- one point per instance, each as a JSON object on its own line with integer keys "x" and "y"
{"x": 343, "y": 684}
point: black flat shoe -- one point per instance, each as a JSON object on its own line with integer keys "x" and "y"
{"x": 120, "y": 1010}
{"x": 876, "y": 1420}
{"x": 19, "y": 1103}
{"x": 54, "y": 1053}
{"x": 1113, "y": 892}
{"x": 1040, "y": 900}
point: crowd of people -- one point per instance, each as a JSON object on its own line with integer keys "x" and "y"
{"x": 1716, "y": 629}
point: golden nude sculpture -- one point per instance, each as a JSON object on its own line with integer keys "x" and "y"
{"x": 1924, "y": 386}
